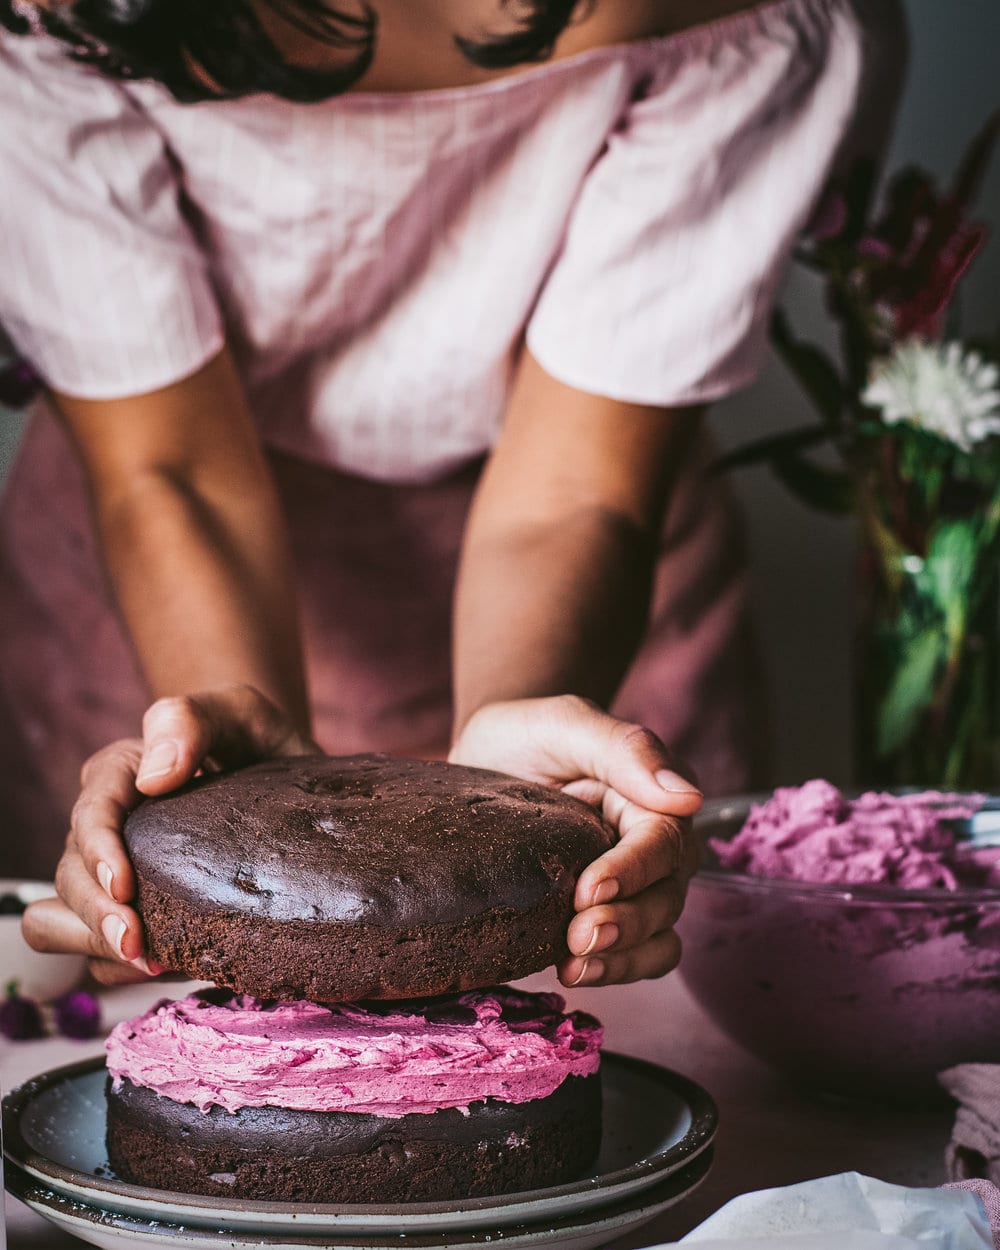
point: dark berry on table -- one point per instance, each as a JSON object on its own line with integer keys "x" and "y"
{"x": 11, "y": 905}
{"x": 77, "y": 1014}
{"x": 20, "y": 1019}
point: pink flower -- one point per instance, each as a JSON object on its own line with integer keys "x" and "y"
{"x": 915, "y": 255}
{"x": 20, "y": 1019}
{"x": 895, "y": 279}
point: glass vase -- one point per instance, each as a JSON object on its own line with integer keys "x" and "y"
{"x": 927, "y": 670}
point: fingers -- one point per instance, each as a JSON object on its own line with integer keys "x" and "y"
{"x": 107, "y": 795}
{"x": 653, "y": 958}
{"x": 51, "y": 926}
{"x": 94, "y": 879}
{"x": 115, "y": 931}
{"x": 626, "y": 941}
{"x": 629, "y": 900}
{"x": 111, "y": 972}
{"x": 625, "y": 925}
{"x": 232, "y": 725}
{"x": 571, "y": 742}
{"x": 650, "y": 847}
{"x": 629, "y": 759}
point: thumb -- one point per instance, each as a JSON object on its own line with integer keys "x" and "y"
{"x": 233, "y": 725}
{"x": 630, "y": 760}
{"x": 567, "y": 741}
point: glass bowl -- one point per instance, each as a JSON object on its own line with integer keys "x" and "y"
{"x": 860, "y": 990}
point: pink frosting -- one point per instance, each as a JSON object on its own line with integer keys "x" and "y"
{"x": 212, "y": 1049}
{"x": 815, "y": 833}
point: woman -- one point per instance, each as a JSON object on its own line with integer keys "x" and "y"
{"x": 292, "y": 272}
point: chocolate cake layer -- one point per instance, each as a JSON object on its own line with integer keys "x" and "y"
{"x": 364, "y": 877}
{"x": 343, "y": 963}
{"x": 314, "y": 1156}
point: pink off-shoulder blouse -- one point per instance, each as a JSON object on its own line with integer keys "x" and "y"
{"x": 377, "y": 260}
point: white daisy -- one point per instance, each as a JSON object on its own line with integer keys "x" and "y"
{"x": 939, "y": 386}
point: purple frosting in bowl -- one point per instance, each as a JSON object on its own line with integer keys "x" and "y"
{"x": 853, "y": 944}
{"x": 816, "y": 833}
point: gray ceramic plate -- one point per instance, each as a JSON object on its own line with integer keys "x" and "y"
{"x": 655, "y": 1123}
{"x": 582, "y": 1231}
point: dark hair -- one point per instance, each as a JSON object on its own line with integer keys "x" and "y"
{"x": 217, "y": 49}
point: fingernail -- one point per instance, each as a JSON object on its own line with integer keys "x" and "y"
{"x": 149, "y": 966}
{"x": 114, "y": 930}
{"x": 161, "y": 759}
{"x": 675, "y": 783}
{"x": 106, "y": 877}
{"x": 592, "y": 971}
{"x": 604, "y": 935}
{"x": 606, "y": 890}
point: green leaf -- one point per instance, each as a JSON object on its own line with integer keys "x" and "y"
{"x": 991, "y": 523}
{"x": 826, "y": 489}
{"x": 912, "y": 690}
{"x": 949, "y": 568}
{"x": 815, "y": 372}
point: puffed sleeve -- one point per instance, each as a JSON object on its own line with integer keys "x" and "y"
{"x": 102, "y": 286}
{"x": 662, "y": 291}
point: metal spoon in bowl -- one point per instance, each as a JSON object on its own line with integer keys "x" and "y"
{"x": 982, "y": 828}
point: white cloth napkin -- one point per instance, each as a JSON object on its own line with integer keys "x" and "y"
{"x": 846, "y": 1212}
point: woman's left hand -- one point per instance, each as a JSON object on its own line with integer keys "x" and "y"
{"x": 629, "y": 899}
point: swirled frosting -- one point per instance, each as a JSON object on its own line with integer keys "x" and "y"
{"x": 216, "y": 1049}
{"x": 815, "y": 833}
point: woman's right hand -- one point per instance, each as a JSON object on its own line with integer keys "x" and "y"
{"x": 95, "y": 884}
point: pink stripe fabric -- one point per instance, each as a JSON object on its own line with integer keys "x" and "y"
{"x": 377, "y": 260}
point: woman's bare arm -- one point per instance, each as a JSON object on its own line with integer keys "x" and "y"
{"x": 552, "y": 600}
{"x": 560, "y": 548}
{"x": 191, "y": 534}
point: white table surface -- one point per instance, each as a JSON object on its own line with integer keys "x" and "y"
{"x": 770, "y": 1134}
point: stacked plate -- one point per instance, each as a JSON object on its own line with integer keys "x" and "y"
{"x": 658, "y": 1130}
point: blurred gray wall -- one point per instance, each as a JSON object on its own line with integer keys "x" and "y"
{"x": 10, "y": 428}
{"x": 802, "y": 561}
